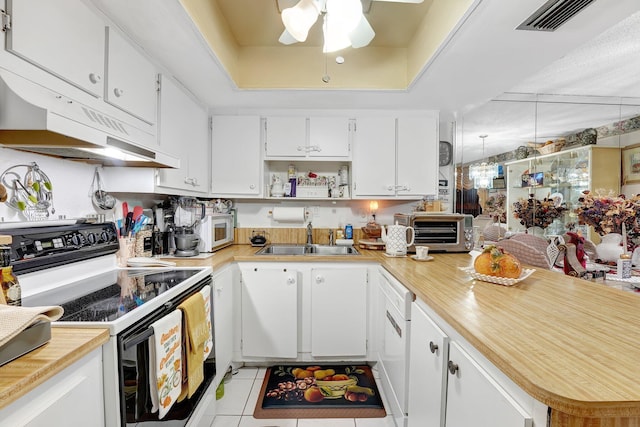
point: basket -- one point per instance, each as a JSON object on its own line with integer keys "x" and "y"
{"x": 553, "y": 147}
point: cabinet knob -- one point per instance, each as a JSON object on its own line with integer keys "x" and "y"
{"x": 390, "y": 187}
{"x": 118, "y": 92}
{"x": 300, "y": 148}
{"x": 453, "y": 368}
{"x": 94, "y": 78}
{"x": 319, "y": 279}
{"x": 291, "y": 281}
{"x": 252, "y": 186}
{"x": 433, "y": 347}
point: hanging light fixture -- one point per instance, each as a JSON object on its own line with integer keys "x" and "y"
{"x": 484, "y": 172}
{"x": 344, "y": 23}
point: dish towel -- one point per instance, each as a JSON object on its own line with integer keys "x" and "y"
{"x": 165, "y": 360}
{"x": 208, "y": 345}
{"x": 14, "y": 320}
{"x": 195, "y": 331}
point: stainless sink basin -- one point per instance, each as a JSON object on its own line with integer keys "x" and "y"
{"x": 286, "y": 249}
{"x": 332, "y": 250}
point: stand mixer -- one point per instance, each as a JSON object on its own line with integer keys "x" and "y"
{"x": 186, "y": 242}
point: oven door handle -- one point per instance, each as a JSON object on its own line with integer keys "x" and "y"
{"x": 137, "y": 339}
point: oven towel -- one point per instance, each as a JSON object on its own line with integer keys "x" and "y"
{"x": 165, "y": 358}
{"x": 14, "y": 320}
{"x": 208, "y": 345}
{"x": 195, "y": 331}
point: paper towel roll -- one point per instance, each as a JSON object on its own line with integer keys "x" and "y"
{"x": 288, "y": 214}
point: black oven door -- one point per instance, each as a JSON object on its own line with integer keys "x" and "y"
{"x": 133, "y": 364}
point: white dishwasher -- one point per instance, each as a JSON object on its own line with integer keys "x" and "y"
{"x": 393, "y": 321}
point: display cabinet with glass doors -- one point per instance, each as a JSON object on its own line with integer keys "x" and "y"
{"x": 562, "y": 177}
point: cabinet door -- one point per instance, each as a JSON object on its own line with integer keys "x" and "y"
{"x": 223, "y": 319}
{"x": 476, "y": 399}
{"x": 233, "y": 135}
{"x": 338, "y": 312}
{"x": 374, "y": 153}
{"x": 329, "y": 137}
{"x": 428, "y": 360}
{"x": 131, "y": 78}
{"x": 64, "y": 37}
{"x": 417, "y": 160}
{"x": 73, "y": 398}
{"x": 182, "y": 120}
{"x": 269, "y": 312}
{"x": 286, "y": 136}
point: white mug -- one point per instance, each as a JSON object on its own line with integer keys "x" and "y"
{"x": 422, "y": 252}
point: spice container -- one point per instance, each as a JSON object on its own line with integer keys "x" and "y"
{"x": 9, "y": 284}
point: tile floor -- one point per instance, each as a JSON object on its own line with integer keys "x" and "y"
{"x": 235, "y": 409}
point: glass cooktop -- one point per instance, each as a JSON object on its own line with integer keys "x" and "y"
{"x": 111, "y": 295}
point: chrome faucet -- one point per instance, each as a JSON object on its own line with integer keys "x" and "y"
{"x": 331, "y": 242}
{"x": 309, "y": 234}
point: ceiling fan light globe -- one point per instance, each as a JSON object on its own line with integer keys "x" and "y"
{"x": 335, "y": 37}
{"x": 344, "y": 13}
{"x": 299, "y": 19}
{"x": 362, "y": 34}
{"x": 287, "y": 38}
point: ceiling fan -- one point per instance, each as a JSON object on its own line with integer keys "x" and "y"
{"x": 344, "y": 23}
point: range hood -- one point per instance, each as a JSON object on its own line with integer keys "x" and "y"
{"x": 38, "y": 120}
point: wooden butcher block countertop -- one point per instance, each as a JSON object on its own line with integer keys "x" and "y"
{"x": 571, "y": 344}
{"x": 67, "y": 346}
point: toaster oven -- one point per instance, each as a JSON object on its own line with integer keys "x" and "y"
{"x": 442, "y": 232}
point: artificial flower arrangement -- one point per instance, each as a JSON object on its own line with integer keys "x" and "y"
{"x": 606, "y": 212}
{"x": 494, "y": 206}
{"x": 537, "y": 213}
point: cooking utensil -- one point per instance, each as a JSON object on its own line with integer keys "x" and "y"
{"x": 100, "y": 198}
{"x": 137, "y": 212}
{"x": 125, "y": 209}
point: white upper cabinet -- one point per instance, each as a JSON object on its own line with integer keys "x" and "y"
{"x": 374, "y": 153}
{"x": 131, "y": 78}
{"x": 64, "y": 37}
{"x": 184, "y": 133}
{"x": 417, "y": 156}
{"x": 396, "y": 156}
{"x": 234, "y": 138}
{"x": 285, "y": 136}
{"x": 302, "y": 137}
{"x": 329, "y": 137}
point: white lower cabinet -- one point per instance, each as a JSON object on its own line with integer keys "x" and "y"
{"x": 428, "y": 371}
{"x": 223, "y": 282}
{"x": 338, "y": 312}
{"x": 304, "y": 311}
{"x": 452, "y": 385}
{"x": 475, "y": 398}
{"x": 269, "y": 312}
{"x": 75, "y": 395}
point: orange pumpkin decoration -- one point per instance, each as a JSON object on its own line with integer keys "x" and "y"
{"x": 494, "y": 261}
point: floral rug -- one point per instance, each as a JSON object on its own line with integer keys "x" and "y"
{"x": 319, "y": 391}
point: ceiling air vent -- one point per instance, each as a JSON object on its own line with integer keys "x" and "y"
{"x": 553, "y": 14}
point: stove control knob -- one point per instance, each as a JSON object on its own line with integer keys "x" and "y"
{"x": 92, "y": 238}
{"x": 77, "y": 239}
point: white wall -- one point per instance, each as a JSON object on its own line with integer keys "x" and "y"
{"x": 71, "y": 184}
{"x": 324, "y": 214}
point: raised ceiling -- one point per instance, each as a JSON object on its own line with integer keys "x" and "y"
{"x": 244, "y": 35}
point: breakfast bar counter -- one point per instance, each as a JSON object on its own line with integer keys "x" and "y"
{"x": 569, "y": 343}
